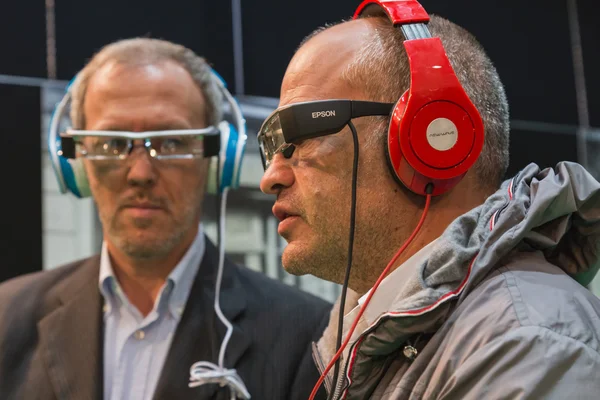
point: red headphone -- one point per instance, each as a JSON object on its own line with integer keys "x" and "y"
{"x": 435, "y": 133}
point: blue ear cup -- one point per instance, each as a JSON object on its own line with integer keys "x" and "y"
{"x": 75, "y": 177}
{"x": 81, "y": 184}
{"x": 229, "y": 139}
{"x": 229, "y": 160}
{"x": 69, "y": 172}
{"x": 240, "y": 148}
{"x": 233, "y": 145}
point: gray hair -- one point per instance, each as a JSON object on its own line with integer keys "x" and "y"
{"x": 144, "y": 51}
{"x": 381, "y": 70}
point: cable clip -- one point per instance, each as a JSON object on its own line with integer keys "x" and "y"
{"x": 204, "y": 372}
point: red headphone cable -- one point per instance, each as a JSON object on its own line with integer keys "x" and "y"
{"x": 371, "y": 293}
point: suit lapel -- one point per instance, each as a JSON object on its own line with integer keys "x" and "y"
{"x": 200, "y": 332}
{"x": 71, "y": 335}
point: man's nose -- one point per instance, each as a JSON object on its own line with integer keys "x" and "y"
{"x": 142, "y": 171}
{"x": 278, "y": 176}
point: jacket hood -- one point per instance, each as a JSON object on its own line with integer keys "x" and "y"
{"x": 555, "y": 211}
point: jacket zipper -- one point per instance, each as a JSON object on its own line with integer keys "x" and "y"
{"x": 328, "y": 379}
{"x": 341, "y": 379}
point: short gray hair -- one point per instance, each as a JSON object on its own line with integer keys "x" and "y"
{"x": 145, "y": 51}
{"x": 381, "y": 70}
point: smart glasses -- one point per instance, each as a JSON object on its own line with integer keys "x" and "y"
{"x": 294, "y": 123}
{"x": 117, "y": 145}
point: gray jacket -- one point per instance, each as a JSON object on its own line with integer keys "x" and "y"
{"x": 499, "y": 310}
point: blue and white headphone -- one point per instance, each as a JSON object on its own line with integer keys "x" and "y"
{"x": 70, "y": 172}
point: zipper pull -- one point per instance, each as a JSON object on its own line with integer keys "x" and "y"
{"x": 410, "y": 352}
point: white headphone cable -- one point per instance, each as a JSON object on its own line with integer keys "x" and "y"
{"x": 204, "y": 372}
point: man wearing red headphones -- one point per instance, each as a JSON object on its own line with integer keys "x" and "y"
{"x": 486, "y": 297}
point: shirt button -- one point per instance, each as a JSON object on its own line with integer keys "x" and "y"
{"x": 140, "y": 335}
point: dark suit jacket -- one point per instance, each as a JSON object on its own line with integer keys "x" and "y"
{"x": 51, "y": 335}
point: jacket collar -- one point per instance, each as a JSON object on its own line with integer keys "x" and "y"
{"x": 71, "y": 335}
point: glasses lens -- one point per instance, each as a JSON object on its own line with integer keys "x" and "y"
{"x": 177, "y": 147}
{"x": 271, "y": 139}
{"x": 103, "y": 148}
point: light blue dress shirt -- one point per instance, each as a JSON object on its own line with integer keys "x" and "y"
{"x": 135, "y": 347}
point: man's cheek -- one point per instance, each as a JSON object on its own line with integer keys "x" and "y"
{"x": 102, "y": 169}
{"x": 105, "y": 175}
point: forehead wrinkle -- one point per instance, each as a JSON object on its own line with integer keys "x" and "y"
{"x": 303, "y": 93}
{"x": 319, "y": 68}
{"x": 304, "y": 83}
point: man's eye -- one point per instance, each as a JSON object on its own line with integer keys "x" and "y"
{"x": 171, "y": 145}
{"x": 112, "y": 146}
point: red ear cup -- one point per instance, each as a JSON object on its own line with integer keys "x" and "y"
{"x": 436, "y": 134}
{"x": 402, "y": 169}
{"x": 431, "y": 145}
{"x": 440, "y": 136}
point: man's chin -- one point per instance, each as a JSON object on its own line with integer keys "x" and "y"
{"x": 295, "y": 259}
{"x": 289, "y": 259}
{"x": 142, "y": 224}
{"x": 140, "y": 248}
{"x": 309, "y": 258}
{"x": 140, "y": 238}
{"x": 129, "y": 223}
{"x": 140, "y": 230}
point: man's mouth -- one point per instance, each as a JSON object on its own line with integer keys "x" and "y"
{"x": 282, "y": 212}
{"x": 148, "y": 206}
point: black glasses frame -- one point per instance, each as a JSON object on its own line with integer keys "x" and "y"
{"x": 308, "y": 120}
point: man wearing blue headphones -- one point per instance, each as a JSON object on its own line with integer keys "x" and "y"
{"x": 159, "y": 314}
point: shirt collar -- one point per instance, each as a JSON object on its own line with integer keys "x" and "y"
{"x": 180, "y": 280}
